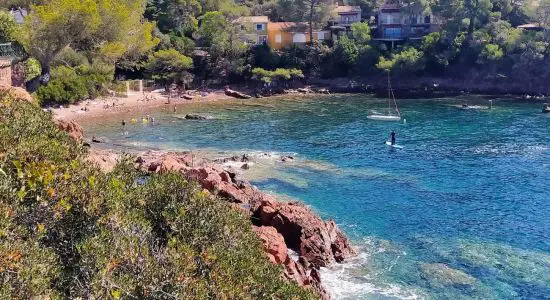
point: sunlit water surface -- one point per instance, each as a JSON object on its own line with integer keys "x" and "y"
{"x": 463, "y": 211}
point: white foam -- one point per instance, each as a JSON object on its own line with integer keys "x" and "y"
{"x": 340, "y": 284}
{"x": 356, "y": 280}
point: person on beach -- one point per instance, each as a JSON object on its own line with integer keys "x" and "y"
{"x": 392, "y": 135}
{"x": 123, "y": 123}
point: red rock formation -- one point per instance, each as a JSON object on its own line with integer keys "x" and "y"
{"x": 72, "y": 128}
{"x": 17, "y": 92}
{"x": 277, "y": 252}
{"x": 319, "y": 242}
{"x": 104, "y": 159}
{"x": 282, "y": 225}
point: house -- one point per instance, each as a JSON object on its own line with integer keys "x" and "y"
{"x": 285, "y": 34}
{"x": 397, "y": 22}
{"x": 347, "y": 15}
{"x": 19, "y": 15}
{"x": 253, "y": 30}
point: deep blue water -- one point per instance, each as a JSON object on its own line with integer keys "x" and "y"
{"x": 470, "y": 189}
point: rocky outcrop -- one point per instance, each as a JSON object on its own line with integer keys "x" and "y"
{"x": 280, "y": 226}
{"x": 277, "y": 252}
{"x": 320, "y": 243}
{"x": 235, "y": 94}
{"x": 18, "y": 93}
{"x": 72, "y": 128}
{"x": 106, "y": 160}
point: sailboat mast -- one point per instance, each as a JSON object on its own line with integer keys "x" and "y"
{"x": 389, "y": 93}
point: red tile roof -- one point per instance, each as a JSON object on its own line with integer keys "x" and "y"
{"x": 348, "y": 9}
{"x": 289, "y": 26}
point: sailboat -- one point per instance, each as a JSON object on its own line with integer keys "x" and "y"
{"x": 389, "y": 116}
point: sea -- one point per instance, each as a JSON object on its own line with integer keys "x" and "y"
{"x": 461, "y": 211}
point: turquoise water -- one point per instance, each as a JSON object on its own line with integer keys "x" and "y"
{"x": 462, "y": 212}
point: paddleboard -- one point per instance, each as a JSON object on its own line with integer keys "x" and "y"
{"x": 394, "y": 146}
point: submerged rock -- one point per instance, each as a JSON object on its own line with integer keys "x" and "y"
{"x": 445, "y": 275}
{"x": 98, "y": 140}
{"x": 198, "y": 117}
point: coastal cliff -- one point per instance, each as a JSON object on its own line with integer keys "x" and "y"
{"x": 280, "y": 226}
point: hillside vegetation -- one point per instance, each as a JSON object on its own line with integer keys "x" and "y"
{"x": 198, "y": 43}
{"x": 69, "y": 231}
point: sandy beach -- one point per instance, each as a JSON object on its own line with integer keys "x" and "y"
{"x": 111, "y": 106}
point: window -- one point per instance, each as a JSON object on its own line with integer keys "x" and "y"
{"x": 262, "y": 39}
{"x": 299, "y": 38}
{"x": 392, "y": 33}
{"x": 278, "y": 38}
{"x": 320, "y": 35}
{"x": 259, "y": 27}
{"x": 427, "y": 19}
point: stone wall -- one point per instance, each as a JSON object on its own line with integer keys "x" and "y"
{"x": 5, "y": 72}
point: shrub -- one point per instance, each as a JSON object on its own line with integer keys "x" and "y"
{"x": 69, "y": 85}
{"x": 69, "y": 231}
{"x": 32, "y": 69}
{"x": 65, "y": 87}
{"x": 278, "y": 74}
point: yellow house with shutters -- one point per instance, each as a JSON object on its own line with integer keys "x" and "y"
{"x": 285, "y": 34}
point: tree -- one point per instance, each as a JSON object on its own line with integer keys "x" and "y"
{"x": 318, "y": 12}
{"x": 8, "y": 27}
{"x": 276, "y": 76}
{"x": 475, "y": 9}
{"x": 409, "y": 60}
{"x": 361, "y": 33}
{"x": 55, "y": 25}
{"x": 175, "y": 15}
{"x": 314, "y": 12}
{"x": 106, "y": 29}
{"x": 347, "y": 51}
{"x": 226, "y": 49}
{"x": 368, "y": 7}
{"x": 169, "y": 66}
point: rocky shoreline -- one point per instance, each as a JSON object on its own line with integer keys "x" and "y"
{"x": 280, "y": 226}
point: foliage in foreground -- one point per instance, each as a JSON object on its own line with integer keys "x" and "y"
{"x": 69, "y": 231}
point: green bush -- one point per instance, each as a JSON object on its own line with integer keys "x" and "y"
{"x": 69, "y": 231}
{"x": 32, "y": 69}
{"x": 65, "y": 87}
{"x": 69, "y": 85}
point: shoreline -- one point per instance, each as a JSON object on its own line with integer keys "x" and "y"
{"x": 103, "y": 107}
{"x": 320, "y": 244}
{"x": 112, "y": 106}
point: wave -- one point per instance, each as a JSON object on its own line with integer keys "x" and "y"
{"x": 359, "y": 278}
{"x": 509, "y": 149}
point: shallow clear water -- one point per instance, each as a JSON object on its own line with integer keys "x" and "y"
{"x": 463, "y": 211}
